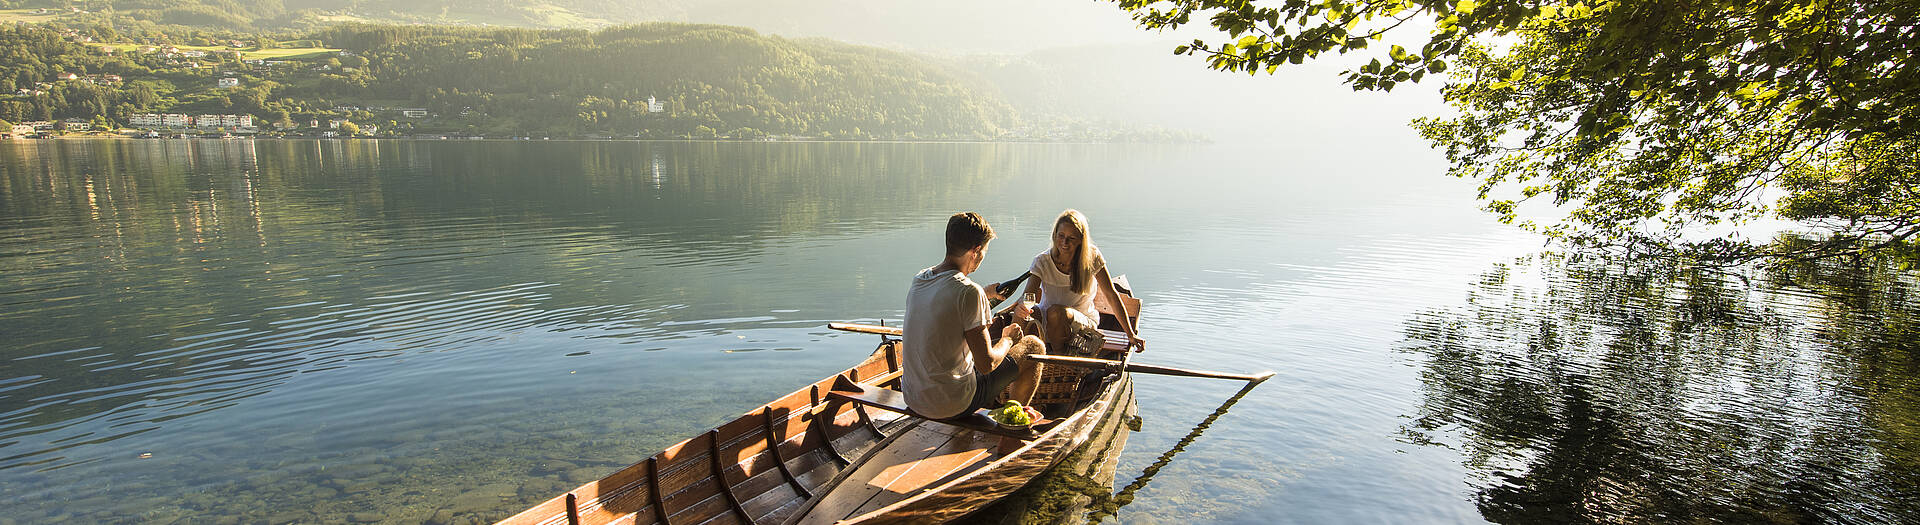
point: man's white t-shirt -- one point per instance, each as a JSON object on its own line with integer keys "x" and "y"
{"x": 1056, "y": 287}
{"x": 937, "y": 376}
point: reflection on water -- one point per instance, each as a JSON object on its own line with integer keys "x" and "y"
{"x": 1105, "y": 506}
{"x": 1599, "y": 392}
{"x": 446, "y": 332}
{"x": 273, "y": 326}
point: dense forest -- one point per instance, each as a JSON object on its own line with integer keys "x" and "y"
{"x": 280, "y": 15}
{"x": 301, "y": 63}
{"x": 655, "y": 80}
{"x": 707, "y": 79}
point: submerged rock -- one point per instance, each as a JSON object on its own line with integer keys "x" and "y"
{"x": 582, "y": 475}
{"x": 481, "y": 499}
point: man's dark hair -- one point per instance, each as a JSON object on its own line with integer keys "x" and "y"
{"x": 966, "y": 231}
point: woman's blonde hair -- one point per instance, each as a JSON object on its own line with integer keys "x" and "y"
{"x": 1081, "y": 274}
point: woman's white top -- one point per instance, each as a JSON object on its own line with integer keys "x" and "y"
{"x": 1056, "y": 287}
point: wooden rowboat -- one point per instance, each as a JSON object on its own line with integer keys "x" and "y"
{"x": 826, "y": 454}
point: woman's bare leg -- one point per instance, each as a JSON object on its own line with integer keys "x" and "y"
{"x": 1057, "y": 326}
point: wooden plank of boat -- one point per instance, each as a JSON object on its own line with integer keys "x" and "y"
{"x": 757, "y": 468}
{"x": 947, "y": 472}
{"x": 808, "y": 458}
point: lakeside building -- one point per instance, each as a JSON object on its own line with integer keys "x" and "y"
{"x": 21, "y": 130}
{"x": 229, "y": 82}
{"x": 74, "y": 124}
{"x": 223, "y": 121}
{"x": 654, "y": 106}
{"x": 159, "y": 120}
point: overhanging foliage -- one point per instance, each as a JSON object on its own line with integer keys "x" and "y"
{"x": 1645, "y": 122}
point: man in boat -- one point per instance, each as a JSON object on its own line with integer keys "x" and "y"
{"x": 951, "y": 366}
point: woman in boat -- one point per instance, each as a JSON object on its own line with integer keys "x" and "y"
{"x": 1067, "y": 275}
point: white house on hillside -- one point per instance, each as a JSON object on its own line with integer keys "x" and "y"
{"x": 157, "y": 120}
{"x": 223, "y": 121}
{"x": 229, "y": 82}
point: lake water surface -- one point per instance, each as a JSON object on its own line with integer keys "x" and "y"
{"x": 446, "y": 332}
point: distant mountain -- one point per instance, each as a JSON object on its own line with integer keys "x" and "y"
{"x": 940, "y": 27}
{"x": 657, "y": 80}
{"x": 717, "y": 77}
{"x": 276, "y": 15}
{"x": 978, "y": 26}
{"x": 1078, "y": 64}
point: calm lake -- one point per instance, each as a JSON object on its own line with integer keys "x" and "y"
{"x": 446, "y": 332}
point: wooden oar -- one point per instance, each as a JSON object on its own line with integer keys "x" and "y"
{"x": 1106, "y": 364}
{"x": 866, "y": 328}
{"x": 1083, "y": 362}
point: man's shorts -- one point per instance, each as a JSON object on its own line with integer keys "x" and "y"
{"x": 986, "y": 388}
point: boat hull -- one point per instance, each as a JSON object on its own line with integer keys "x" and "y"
{"x": 992, "y": 483}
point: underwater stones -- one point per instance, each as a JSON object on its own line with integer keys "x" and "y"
{"x": 553, "y": 466}
{"x": 365, "y": 517}
{"x": 582, "y": 475}
{"x": 440, "y": 517}
{"x": 358, "y": 470}
{"x": 285, "y": 516}
{"x": 541, "y": 489}
{"x": 481, "y": 499}
{"x": 351, "y": 486}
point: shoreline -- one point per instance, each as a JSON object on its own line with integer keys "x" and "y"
{"x": 489, "y": 139}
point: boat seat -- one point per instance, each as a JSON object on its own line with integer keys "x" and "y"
{"x": 890, "y": 399}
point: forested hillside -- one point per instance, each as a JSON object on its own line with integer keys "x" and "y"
{"x": 722, "y": 78}
{"x": 706, "y": 81}
{"x": 276, "y": 15}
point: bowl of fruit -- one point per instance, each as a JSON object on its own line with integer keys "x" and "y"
{"x": 1014, "y": 416}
